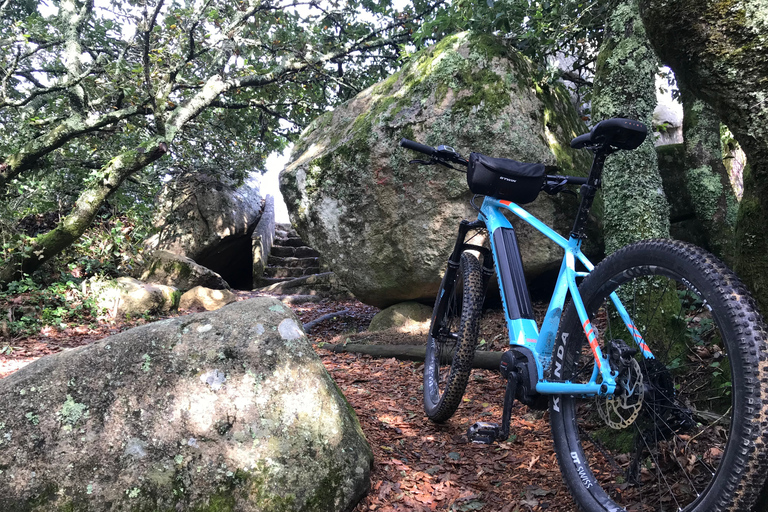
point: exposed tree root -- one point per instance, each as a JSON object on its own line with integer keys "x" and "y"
{"x": 483, "y": 359}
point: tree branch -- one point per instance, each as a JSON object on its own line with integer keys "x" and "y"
{"x": 259, "y": 104}
{"x": 27, "y": 156}
{"x": 75, "y": 23}
{"x": 150, "y": 24}
{"x": 87, "y": 205}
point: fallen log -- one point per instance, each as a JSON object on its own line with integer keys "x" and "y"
{"x": 340, "y": 314}
{"x": 483, "y": 359}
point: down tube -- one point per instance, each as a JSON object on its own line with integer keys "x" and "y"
{"x": 566, "y": 283}
{"x": 514, "y": 292}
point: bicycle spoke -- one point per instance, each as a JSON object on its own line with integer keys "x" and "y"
{"x": 676, "y": 435}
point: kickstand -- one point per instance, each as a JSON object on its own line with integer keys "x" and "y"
{"x": 487, "y": 433}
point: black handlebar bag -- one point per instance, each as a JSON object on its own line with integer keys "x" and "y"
{"x": 503, "y": 178}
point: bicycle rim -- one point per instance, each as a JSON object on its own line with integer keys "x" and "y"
{"x": 669, "y": 440}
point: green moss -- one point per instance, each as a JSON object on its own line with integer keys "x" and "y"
{"x": 635, "y": 205}
{"x": 46, "y": 499}
{"x": 616, "y": 441}
{"x": 251, "y": 486}
{"x": 732, "y": 210}
{"x": 424, "y": 63}
{"x": 172, "y": 268}
{"x": 224, "y": 502}
{"x": 488, "y": 92}
{"x": 44, "y": 496}
{"x": 175, "y": 299}
{"x": 711, "y": 195}
{"x": 325, "y": 496}
{"x": 705, "y": 188}
{"x": 752, "y": 237}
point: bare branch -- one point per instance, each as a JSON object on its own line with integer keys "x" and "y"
{"x": 150, "y": 24}
{"x": 261, "y": 105}
{"x": 75, "y": 82}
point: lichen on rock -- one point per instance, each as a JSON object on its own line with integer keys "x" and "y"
{"x": 635, "y": 205}
{"x": 223, "y": 410}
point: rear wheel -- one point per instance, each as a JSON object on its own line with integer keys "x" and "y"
{"x": 449, "y": 354}
{"x": 686, "y": 430}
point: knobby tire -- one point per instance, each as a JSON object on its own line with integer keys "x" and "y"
{"x": 704, "y": 405}
{"x": 449, "y": 356}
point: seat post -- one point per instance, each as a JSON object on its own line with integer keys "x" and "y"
{"x": 588, "y": 191}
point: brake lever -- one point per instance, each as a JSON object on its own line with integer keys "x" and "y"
{"x": 556, "y": 188}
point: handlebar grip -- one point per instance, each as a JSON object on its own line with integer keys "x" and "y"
{"x": 415, "y": 146}
{"x": 576, "y": 180}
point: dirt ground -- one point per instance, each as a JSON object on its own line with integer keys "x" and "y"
{"x": 418, "y": 465}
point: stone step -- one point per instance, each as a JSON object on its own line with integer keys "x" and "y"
{"x": 277, "y": 261}
{"x": 294, "y": 252}
{"x": 282, "y": 235}
{"x": 290, "y": 271}
{"x": 283, "y": 272}
{"x": 267, "y": 281}
{"x": 291, "y": 241}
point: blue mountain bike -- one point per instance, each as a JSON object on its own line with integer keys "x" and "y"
{"x": 653, "y": 364}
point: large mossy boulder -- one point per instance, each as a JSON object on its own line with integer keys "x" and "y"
{"x": 386, "y": 227}
{"x": 210, "y": 219}
{"x": 129, "y": 297}
{"x": 228, "y": 411}
{"x": 683, "y": 223}
{"x": 164, "y": 267}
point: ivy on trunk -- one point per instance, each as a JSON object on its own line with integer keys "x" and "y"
{"x": 635, "y": 205}
{"x": 717, "y": 51}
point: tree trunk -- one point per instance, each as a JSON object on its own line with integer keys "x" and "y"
{"x": 635, "y": 205}
{"x": 706, "y": 177}
{"x": 717, "y": 51}
{"x": 49, "y": 244}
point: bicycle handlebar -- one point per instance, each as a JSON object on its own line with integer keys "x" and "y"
{"x": 415, "y": 146}
{"x": 443, "y": 153}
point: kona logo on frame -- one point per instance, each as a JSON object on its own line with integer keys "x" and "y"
{"x": 560, "y": 356}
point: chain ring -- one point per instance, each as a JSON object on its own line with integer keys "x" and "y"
{"x": 617, "y": 411}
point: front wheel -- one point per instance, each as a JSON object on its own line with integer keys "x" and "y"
{"x": 450, "y": 352}
{"x": 686, "y": 428}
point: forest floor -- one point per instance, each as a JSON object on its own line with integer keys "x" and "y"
{"x": 418, "y": 465}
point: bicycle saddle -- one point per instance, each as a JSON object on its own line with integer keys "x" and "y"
{"x": 616, "y": 132}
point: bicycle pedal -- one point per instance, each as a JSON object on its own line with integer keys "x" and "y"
{"x": 483, "y": 433}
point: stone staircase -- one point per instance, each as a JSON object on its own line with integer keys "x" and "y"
{"x": 289, "y": 258}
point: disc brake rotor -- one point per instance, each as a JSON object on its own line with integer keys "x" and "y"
{"x": 622, "y": 408}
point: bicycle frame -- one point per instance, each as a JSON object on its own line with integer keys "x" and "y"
{"x": 524, "y": 333}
